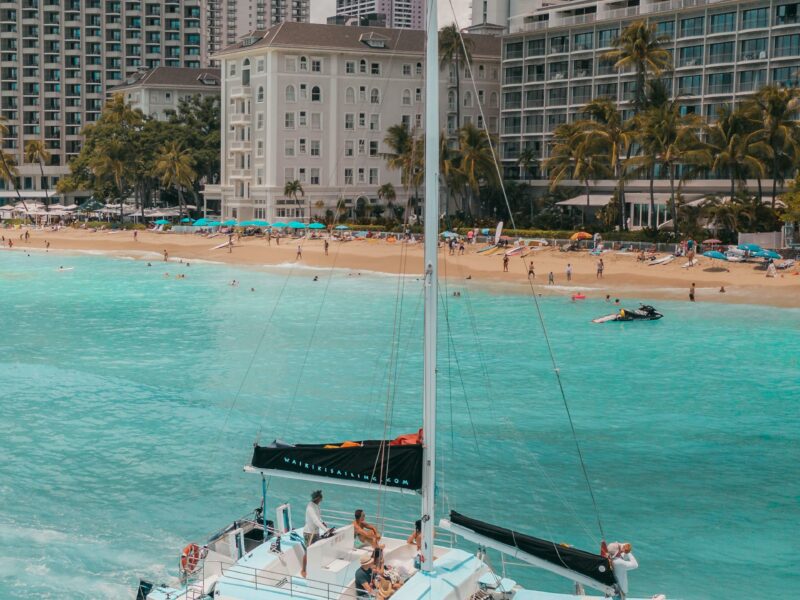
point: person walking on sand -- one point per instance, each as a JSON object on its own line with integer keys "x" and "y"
{"x": 326, "y": 247}
{"x": 569, "y": 272}
{"x": 166, "y": 255}
{"x": 135, "y": 236}
{"x": 600, "y": 267}
{"x": 551, "y": 279}
{"x": 46, "y": 246}
{"x": 531, "y": 272}
{"x": 299, "y": 253}
{"x": 691, "y": 293}
{"x": 269, "y": 238}
{"x": 505, "y": 264}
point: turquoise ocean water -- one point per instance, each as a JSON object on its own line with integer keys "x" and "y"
{"x": 129, "y": 402}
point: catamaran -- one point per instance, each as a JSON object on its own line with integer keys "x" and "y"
{"x": 256, "y": 558}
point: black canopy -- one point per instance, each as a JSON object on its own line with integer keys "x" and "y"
{"x": 584, "y": 563}
{"x": 370, "y": 462}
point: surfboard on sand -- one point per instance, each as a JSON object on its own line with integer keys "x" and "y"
{"x": 662, "y": 261}
{"x": 222, "y": 245}
{"x": 688, "y": 264}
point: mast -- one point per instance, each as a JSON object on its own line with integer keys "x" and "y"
{"x": 431, "y": 216}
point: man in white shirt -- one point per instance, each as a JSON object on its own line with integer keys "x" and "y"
{"x": 622, "y": 561}
{"x": 313, "y": 524}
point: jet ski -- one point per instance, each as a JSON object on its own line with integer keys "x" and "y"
{"x": 644, "y": 313}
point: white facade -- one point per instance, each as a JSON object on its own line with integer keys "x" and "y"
{"x": 159, "y": 91}
{"x": 408, "y": 14}
{"x": 320, "y": 114}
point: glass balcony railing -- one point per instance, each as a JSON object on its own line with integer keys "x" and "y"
{"x": 720, "y": 57}
{"x": 786, "y": 51}
{"x": 753, "y": 55}
{"x": 719, "y": 88}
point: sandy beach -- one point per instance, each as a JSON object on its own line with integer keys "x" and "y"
{"x": 624, "y": 276}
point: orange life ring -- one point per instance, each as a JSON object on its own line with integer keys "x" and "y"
{"x": 578, "y": 297}
{"x": 190, "y": 557}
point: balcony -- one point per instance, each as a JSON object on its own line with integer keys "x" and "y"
{"x": 241, "y": 91}
{"x": 720, "y": 57}
{"x": 750, "y": 86}
{"x": 691, "y": 61}
{"x": 241, "y": 119}
{"x": 240, "y": 146}
{"x": 786, "y": 51}
{"x": 239, "y": 174}
{"x": 719, "y": 88}
{"x": 753, "y": 55}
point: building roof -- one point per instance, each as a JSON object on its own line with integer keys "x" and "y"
{"x": 173, "y": 77}
{"x": 307, "y": 36}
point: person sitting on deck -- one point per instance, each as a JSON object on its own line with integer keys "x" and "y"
{"x": 364, "y": 578}
{"x": 364, "y": 532}
{"x": 622, "y": 561}
{"x": 416, "y": 536}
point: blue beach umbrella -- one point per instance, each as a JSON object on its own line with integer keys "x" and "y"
{"x": 342, "y": 227}
{"x": 768, "y": 254}
{"x": 213, "y": 224}
{"x": 449, "y": 234}
{"x": 230, "y": 222}
{"x": 715, "y": 254}
{"x": 297, "y": 225}
{"x": 259, "y": 223}
{"x": 162, "y": 222}
{"x": 201, "y": 223}
{"x": 750, "y": 247}
{"x": 279, "y": 224}
{"x": 317, "y": 226}
{"x": 186, "y": 220}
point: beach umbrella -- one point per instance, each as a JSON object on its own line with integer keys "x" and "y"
{"x": 581, "y": 235}
{"x": 213, "y": 224}
{"x": 297, "y": 225}
{"x": 259, "y": 223}
{"x": 162, "y": 222}
{"x": 342, "y": 227}
{"x": 230, "y": 222}
{"x": 715, "y": 254}
{"x": 750, "y": 247}
{"x": 279, "y": 224}
{"x": 712, "y": 241}
{"x": 317, "y": 226}
{"x": 186, "y": 220}
{"x": 768, "y": 254}
{"x": 201, "y": 223}
{"x": 449, "y": 234}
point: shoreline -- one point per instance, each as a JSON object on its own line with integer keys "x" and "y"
{"x": 624, "y": 277}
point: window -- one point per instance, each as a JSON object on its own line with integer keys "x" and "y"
{"x": 362, "y": 66}
{"x": 481, "y": 72}
{"x": 362, "y": 93}
{"x": 406, "y": 70}
{"x": 348, "y": 176}
{"x": 290, "y": 64}
{"x": 314, "y": 148}
{"x": 582, "y": 67}
{"x": 362, "y": 147}
{"x": 374, "y": 96}
{"x": 316, "y": 121}
{"x": 232, "y": 69}
{"x": 349, "y": 96}
{"x": 493, "y": 100}
{"x": 349, "y": 121}
{"x": 787, "y": 45}
{"x": 260, "y": 120}
{"x": 753, "y": 49}
{"x": 786, "y": 14}
{"x": 288, "y": 120}
{"x": 755, "y": 17}
{"x": 690, "y": 56}
{"x": 722, "y": 23}
{"x": 302, "y": 118}
{"x": 406, "y": 98}
{"x": 720, "y": 83}
{"x": 418, "y": 95}
{"x": 467, "y": 99}
{"x": 303, "y": 63}
{"x": 666, "y": 29}
{"x": 361, "y": 175}
{"x": 513, "y": 50}
{"x": 605, "y": 37}
{"x": 260, "y": 148}
{"x": 559, "y": 43}
{"x": 316, "y": 94}
{"x": 303, "y": 91}
{"x": 246, "y": 71}
{"x": 348, "y": 148}
{"x": 418, "y": 69}
{"x": 375, "y": 68}
{"x": 260, "y": 94}
{"x": 301, "y": 175}
{"x": 373, "y": 148}
{"x": 301, "y": 146}
{"x": 316, "y": 65}
{"x": 536, "y": 47}
{"x": 690, "y": 84}
{"x": 314, "y": 176}
{"x": 288, "y": 147}
{"x": 752, "y": 80}
{"x": 720, "y": 53}
{"x": 418, "y": 121}
{"x": 350, "y": 67}
{"x": 288, "y": 174}
{"x": 558, "y": 70}
{"x": 535, "y": 73}
{"x": 373, "y": 176}
{"x": 534, "y": 98}
{"x": 362, "y": 119}
{"x": 374, "y": 122}
{"x": 260, "y": 65}
{"x": 557, "y": 96}
{"x": 290, "y": 93}
{"x": 786, "y": 77}
{"x": 692, "y": 26}
{"x": 583, "y": 41}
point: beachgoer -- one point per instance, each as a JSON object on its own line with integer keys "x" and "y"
{"x": 135, "y": 235}
{"x": 364, "y": 578}
{"x": 691, "y": 293}
{"x": 365, "y": 532}
{"x": 299, "y": 253}
{"x": 569, "y": 272}
{"x": 416, "y": 535}
{"x": 468, "y": 277}
{"x": 149, "y": 265}
{"x": 166, "y": 256}
{"x": 608, "y": 298}
{"x": 313, "y": 523}
{"x": 771, "y": 272}
{"x": 461, "y": 248}
{"x": 326, "y": 247}
{"x": 722, "y": 290}
{"x": 531, "y": 272}
{"x": 622, "y": 561}
{"x": 551, "y": 279}
{"x": 47, "y": 246}
{"x": 316, "y": 277}
{"x": 616, "y": 301}
{"x": 600, "y": 267}
{"x": 27, "y": 235}
{"x": 252, "y": 289}
{"x": 505, "y": 263}
{"x": 269, "y": 238}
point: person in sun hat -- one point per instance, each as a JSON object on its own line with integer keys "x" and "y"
{"x": 622, "y": 561}
{"x": 364, "y": 578}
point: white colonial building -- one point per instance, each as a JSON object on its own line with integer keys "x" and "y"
{"x": 313, "y": 103}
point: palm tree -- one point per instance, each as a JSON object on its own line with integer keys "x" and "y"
{"x": 578, "y": 155}
{"x": 293, "y": 189}
{"x": 174, "y": 166}
{"x": 449, "y": 170}
{"x": 526, "y": 158}
{"x": 406, "y": 156}
{"x": 732, "y": 141}
{"x": 774, "y": 109}
{"x": 454, "y": 50}
{"x": 8, "y": 167}
{"x": 109, "y": 164}
{"x": 604, "y": 123}
{"x": 387, "y": 192}
{"x": 640, "y": 48}
{"x": 477, "y": 159}
{"x": 657, "y": 96}
{"x": 36, "y": 152}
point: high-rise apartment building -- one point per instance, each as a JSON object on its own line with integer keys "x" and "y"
{"x": 407, "y": 14}
{"x": 722, "y": 50}
{"x": 230, "y": 20}
{"x": 59, "y": 58}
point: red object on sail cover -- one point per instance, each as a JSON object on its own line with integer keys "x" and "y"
{"x": 409, "y": 439}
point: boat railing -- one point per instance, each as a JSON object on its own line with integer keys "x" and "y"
{"x": 262, "y": 579}
{"x": 389, "y": 527}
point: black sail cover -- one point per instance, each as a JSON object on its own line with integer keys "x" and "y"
{"x": 585, "y": 563}
{"x": 371, "y": 461}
